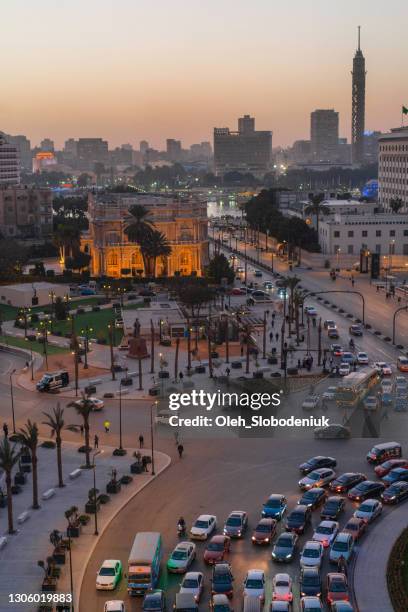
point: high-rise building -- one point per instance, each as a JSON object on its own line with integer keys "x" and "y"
{"x": 143, "y": 146}
{"x": 91, "y": 150}
{"x": 324, "y": 135}
{"x": 23, "y": 147}
{"x": 358, "y": 105}
{"x": 393, "y": 167}
{"x": 173, "y": 149}
{"x": 246, "y": 150}
{"x": 9, "y": 163}
{"x": 47, "y": 145}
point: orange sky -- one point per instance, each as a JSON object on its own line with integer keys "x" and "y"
{"x": 127, "y": 70}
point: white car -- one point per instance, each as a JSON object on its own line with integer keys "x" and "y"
{"x": 109, "y": 575}
{"x": 344, "y": 369}
{"x": 386, "y": 385}
{"x": 383, "y": 368}
{"x": 254, "y": 584}
{"x": 326, "y": 532}
{"x": 193, "y": 583}
{"x": 330, "y": 393}
{"x": 114, "y": 605}
{"x": 362, "y": 358}
{"x": 182, "y": 557}
{"x": 282, "y": 588}
{"x": 203, "y": 527}
{"x": 311, "y": 311}
{"x": 312, "y": 402}
{"x": 312, "y": 554}
{"x": 369, "y": 510}
{"x": 97, "y": 404}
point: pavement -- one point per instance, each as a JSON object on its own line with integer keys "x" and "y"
{"x": 31, "y": 541}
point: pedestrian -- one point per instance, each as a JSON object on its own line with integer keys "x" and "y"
{"x": 5, "y": 429}
{"x": 299, "y": 364}
{"x": 106, "y": 426}
{"x": 96, "y": 441}
{"x": 228, "y": 371}
{"x": 144, "y": 463}
{"x": 81, "y": 429}
{"x": 342, "y": 565}
{"x": 181, "y": 376}
{"x": 180, "y": 449}
{"x": 352, "y": 282}
{"x": 141, "y": 441}
{"x": 242, "y": 350}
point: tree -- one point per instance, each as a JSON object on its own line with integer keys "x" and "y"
{"x": 218, "y": 269}
{"x": 9, "y": 457}
{"x": 194, "y": 296}
{"x": 67, "y": 238}
{"x": 139, "y": 227}
{"x": 291, "y": 283}
{"x": 83, "y": 179}
{"x": 13, "y": 257}
{"x": 55, "y": 421}
{"x": 317, "y": 208}
{"x": 83, "y": 408}
{"x": 396, "y": 204}
{"x": 78, "y": 261}
{"x": 28, "y": 438}
{"x": 60, "y": 309}
{"x": 153, "y": 246}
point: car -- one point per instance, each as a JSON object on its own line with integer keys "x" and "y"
{"x": 336, "y": 349}
{"x": 217, "y": 548}
{"x": 96, "y": 403}
{"x": 310, "y": 582}
{"x": 317, "y": 478}
{"x": 114, "y": 605}
{"x": 274, "y": 507}
{"x": 348, "y": 358}
{"x": 109, "y": 575}
{"x": 222, "y": 579}
{"x": 362, "y": 358}
{"x": 238, "y": 291}
{"x": 268, "y": 285}
{"x": 311, "y": 604}
{"x": 280, "y": 606}
{"x": 326, "y": 532}
{"x": 371, "y": 403}
{"x": 282, "y": 587}
{"x": 369, "y": 510}
{"x": 193, "y": 584}
{"x": 311, "y": 402}
{"x": 185, "y": 602}
{"x": 366, "y": 489}
{"x": 344, "y": 369}
{"x": 298, "y": 519}
{"x": 342, "y": 547}
{"x": 313, "y": 498}
{"x": 334, "y": 431}
{"x": 312, "y": 554}
{"x": 317, "y": 462}
{"x": 220, "y": 603}
{"x": 258, "y": 273}
{"x": 154, "y": 601}
{"x": 285, "y": 547}
{"x": 333, "y": 333}
{"x": 310, "y": 311}
{"x": 355, "y": 330}
{"x": 342, "y": 606}
{"x": 333, "y": 507}
{"x": 383, "y": 368}
{"x": 386, "y": 385}
{"x": 264, "y": 531}
{"x": 119, "y": 323}
{"x": 399, "y": 474}
{"x": 402, "y": 363}
{"x": 329, "y": 323}
{"x": 254, "y": 584}
{"x": 203, "y": 527}
{"x": 401, "y": 380}
{"x": 337, "y": 587}
{"x": 395, "y": 493}
{"x": 355, "y": 527}
{"x": 236, "y": 524}
{"x": 346, "y": 481}
{"x": 181, "y": 558}
{"x": 329, "y": 394}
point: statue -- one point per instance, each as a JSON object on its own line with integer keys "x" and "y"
{"x": 136, "y": 329}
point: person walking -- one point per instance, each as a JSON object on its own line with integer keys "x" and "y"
{"x": 342, "y": 565}
{"x": 96, "y": 441}
{"x": 181, "y": 376}
{"x": 141, "y": 441}
{"x": 106, "y": 426}
{"x": 144, "y": 463}
{"x": 180, "y": 449}
{"x": 5, "y": 429}
{"x": 228, "y": 371}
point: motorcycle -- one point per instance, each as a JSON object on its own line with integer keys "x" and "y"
{"x": 181, "y": 530}
{"x": 351, "y": 343}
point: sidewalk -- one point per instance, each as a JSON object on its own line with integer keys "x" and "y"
{"x": 31, "y": 542}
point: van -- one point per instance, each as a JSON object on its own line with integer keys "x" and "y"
{"x": 402, "y": 364}
{"x": 53, "y": 380}
{"x": 382, "y": 452}
{"x": 252, "y": 604}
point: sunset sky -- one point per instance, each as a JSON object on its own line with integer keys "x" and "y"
{"x": 128, "y": 70}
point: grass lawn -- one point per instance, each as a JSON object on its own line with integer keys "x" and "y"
{"x": 9, "y": 313}
{"x": 134, "y": 306}
{"x": 35, "y": 346}
{"x": 97, "y": 321}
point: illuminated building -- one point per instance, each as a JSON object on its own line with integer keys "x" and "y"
{"x": 182, "y": 221}
{"x": 43, "y": 160}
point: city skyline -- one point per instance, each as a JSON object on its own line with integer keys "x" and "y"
{"x": 213, "y": 74}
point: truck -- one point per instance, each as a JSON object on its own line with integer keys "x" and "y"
{"x": 144, "y": 562}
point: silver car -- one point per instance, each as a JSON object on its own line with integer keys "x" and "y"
{"x": 312, "y": 402}
{"x": 317, "y": 478}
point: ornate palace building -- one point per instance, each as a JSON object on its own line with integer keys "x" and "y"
{"x": 182, "y": 220}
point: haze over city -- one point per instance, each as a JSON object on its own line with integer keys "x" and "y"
{"x": 127, "y": 71}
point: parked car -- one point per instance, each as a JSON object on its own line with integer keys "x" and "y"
{"x": 341, "y": 547}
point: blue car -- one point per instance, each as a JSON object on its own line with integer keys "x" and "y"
{"x": 274, "y": 507}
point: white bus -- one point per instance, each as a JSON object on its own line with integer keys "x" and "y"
{"x": 354, "y": 387}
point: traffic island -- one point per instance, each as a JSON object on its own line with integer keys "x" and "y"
{"x": 397, "y": 573}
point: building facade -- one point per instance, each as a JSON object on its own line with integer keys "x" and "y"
{"x": 358, "y": 105}
{"x": 25, "y": 212}
{"x": 9, "y": 163}
{"x": 393, "y": 167}
{"x": 324, "y": 135}
{"x": 246, "y": 150}
{"x": 182, "y": 221}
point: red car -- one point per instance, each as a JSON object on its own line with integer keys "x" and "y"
{"x": 238, "y": 291}
{"x": 216, "y": 549}
{"x": 387, "y": 466}
{"x": 337, "y": 587}
{"x": 355, "y": 527}
{"x": 264, "y": 531}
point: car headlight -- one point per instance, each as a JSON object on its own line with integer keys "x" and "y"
{"x": 288, "y": 556}
{"x": 274, "y": 555}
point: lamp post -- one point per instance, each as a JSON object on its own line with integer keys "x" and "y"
{"x": 85, "y": 332}
{"x": 391, "y": 253}
{"x": 120, "y": 414}
{"x": 338, "y": 257}
{"x": 12, "y": 400}
{"x": 31, "y": 361}
{"x": 152, "y": 434}
{"x": 96, "y": 532}
{"x": 245, "y": 255}
{"x": 71, "y": 573}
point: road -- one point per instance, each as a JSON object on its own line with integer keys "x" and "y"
{"x": 218, "y": 478}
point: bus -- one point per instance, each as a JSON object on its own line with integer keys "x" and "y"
{"x": 144, "y": 562}
{"x": 354, "y": 387}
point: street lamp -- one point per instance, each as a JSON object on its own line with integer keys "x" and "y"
{"x": 338, "y": 257}
{"x": 96, "y": 532}
{"x": 120, "y": 414}
{"x": 85, "y": 332}
{"x": 391, "y": 253}
{"x": 12, "y": 400}
{"x": 31, "y": 361}
{"x": 152, "y": 435}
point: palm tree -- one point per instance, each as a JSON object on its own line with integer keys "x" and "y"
{"x": 55, "y": 421}
{"x": 28, "y": 438}
{"x": 138, "y": 227}
{"x": 154, "y": 245}
{"x": 84, "y": 408}
{"x": 291, "y": 283}
{"x": 297, "y": 304}
{"x": 317, "y": 208}
{"x": 9, "y": 457}
{"x": 67, "y": 237}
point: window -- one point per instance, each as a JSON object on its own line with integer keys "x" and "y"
{"x": 392, "y": 232}
{"x": 112, "y": 259}
{"x": 378, "y": 248}
{"x": 364, "y": 233}
{"x": 350, "y": 234}
{"x": 336, "y": 234}
{"x": 378, "y": 233}
{"x": 405, "y": 249}
{"x": 405, "y": 232}
{"x": 350, "y": 249}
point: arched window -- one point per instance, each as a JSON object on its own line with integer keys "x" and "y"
{"x": 112, "y": 238}
{"x": 112, "y": 259}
